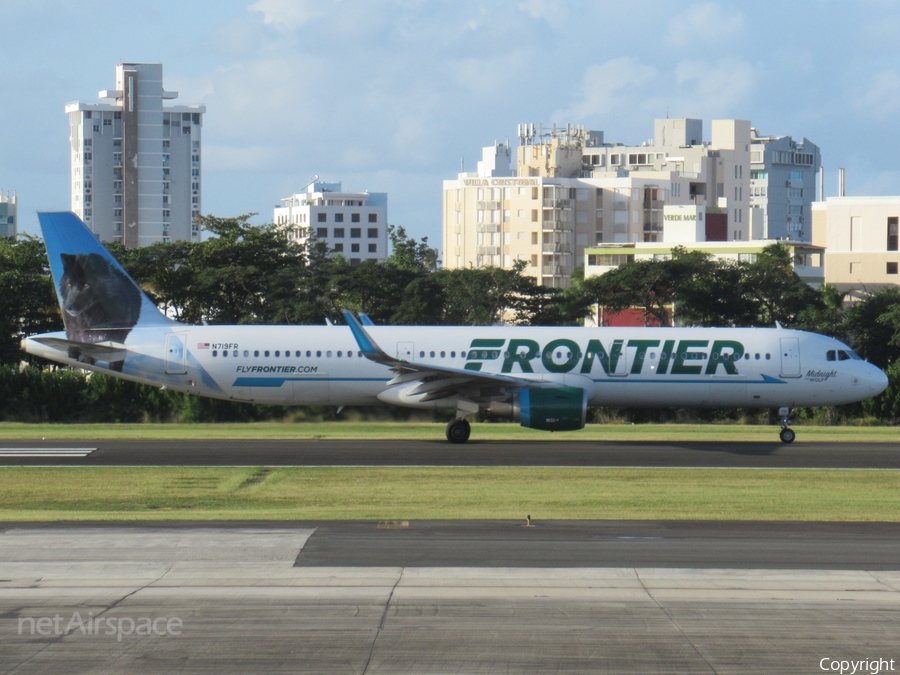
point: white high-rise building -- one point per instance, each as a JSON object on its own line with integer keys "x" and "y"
{"x": 353, "y": 224}
{"x": 9, "y": 216}
{"x": 136, "y": 169}
{"x": 783, "y": 176}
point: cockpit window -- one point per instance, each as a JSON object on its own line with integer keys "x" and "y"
{"x": 842, "y": 355}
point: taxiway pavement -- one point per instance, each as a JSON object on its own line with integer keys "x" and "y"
{"x": 837, "y": 455}
{"x": 231, "y": 599}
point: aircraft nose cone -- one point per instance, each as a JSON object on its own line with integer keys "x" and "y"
{"x": 878, "y": 381}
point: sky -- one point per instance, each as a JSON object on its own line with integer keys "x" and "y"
{"x": 396, "y": 95}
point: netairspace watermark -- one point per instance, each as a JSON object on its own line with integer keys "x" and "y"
{"x": 863, "y": 666}
{"x": 120, "y": 626}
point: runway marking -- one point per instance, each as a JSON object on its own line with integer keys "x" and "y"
{"x": 46, "y": 452}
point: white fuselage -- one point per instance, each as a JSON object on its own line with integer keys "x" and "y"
{"x": 639, "y": 367}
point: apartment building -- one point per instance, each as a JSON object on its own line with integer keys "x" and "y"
{"x": 861, "y": 236}
{"x": 570, "y": 190}
{"x": 783, "y": 178}
{"x": 135, "y": 162}
{"x": 9, "y": 215}
{"x": 353, "y": 224}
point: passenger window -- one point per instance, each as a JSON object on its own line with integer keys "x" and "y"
{"x": 431, "y": 354}
{"x": 340, "y": 354}
{"x": 246, "y": 353}
{"x": 328, "y": 353}
{"x": 308, "y": 353}
{"x": 266, "y": 353}
{"x": 255, "y": 352}
{"x": 830, "y": 355}
{"x": 234, "y": 353}
{"x": 768, "y": 357}
{"x": 421, "y": 355}
{"x": 443, "y": 354}
{"x": 318, "y": 354}
{"x": 452, "y": 355}
{"x": 297, "y": 353}
{"x": 215, "y": 352}
{"x": 462, "y": 355}
{"x": 277, "y": 353}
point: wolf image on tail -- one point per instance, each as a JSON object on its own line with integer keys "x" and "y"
{"x": 99, "y": 302}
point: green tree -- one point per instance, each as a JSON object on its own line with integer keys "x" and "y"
{"x": 28, "y": 304}
{"x": 647, "y": 284}
{"x": 871, "y": 327}
{"x": 775, "y": 290}
{"x": 827, "y": 315}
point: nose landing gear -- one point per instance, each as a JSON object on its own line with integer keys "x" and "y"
{"x": 787, "y": 434}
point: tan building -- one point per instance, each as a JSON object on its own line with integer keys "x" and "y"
{"x": 860, "y": 235}
{"x": 569, "y": 190}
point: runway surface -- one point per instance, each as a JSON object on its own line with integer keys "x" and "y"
{"x": 230, "y": 599}
{"x": 626, "y": 543}
{"x": 441, "y": 453}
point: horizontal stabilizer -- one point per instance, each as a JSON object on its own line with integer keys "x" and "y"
{"x": 102, "y": 351}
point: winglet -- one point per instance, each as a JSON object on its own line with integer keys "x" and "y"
{"x": 365, "y": 320}
{"x": 366, "y": 344}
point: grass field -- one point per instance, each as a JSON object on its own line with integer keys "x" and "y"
{"x": 401, "y": 493}
{"x": 431, "y": 431}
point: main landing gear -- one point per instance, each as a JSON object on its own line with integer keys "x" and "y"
{"x": 787, "y": 434}
{"x": 458, "y": 430}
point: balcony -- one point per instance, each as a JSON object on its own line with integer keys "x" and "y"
{"x": 487, "y": 206}
{"x": 552, "y": 271}
{"x": 554, "y": 225}
{"x": 487, "y": 227}
{"x": 557, "y": 203}
{"x": 487, "y": 250}
{"x": 555, "y": 248}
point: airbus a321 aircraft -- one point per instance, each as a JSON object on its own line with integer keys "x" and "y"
{"x": 543, "y": 378}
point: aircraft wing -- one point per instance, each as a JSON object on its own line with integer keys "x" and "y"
{"x": 102, "y": 351}
{"x": 435, "y": 381}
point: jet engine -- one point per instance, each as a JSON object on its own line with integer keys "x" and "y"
{"x": 550, "y": 409}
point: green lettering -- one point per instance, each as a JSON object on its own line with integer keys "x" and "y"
{"x": 617, "y": 350}
{"x": 478, "y": 353}
{"x": 595, "y": 348}
{"x": 572, "y": 359}
{"x": 523, "y": 358}
{"x": 666, "y": 356}
{"x": 727, "y": 360}
{"x": 642, "y": 346}
{"x": 684, "y": 354}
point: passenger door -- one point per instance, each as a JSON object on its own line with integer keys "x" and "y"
{"x": 790, "y": 357}
{"x": 175, "y": 353}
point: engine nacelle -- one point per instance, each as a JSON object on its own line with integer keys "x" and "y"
{"x": 556, "y": 409}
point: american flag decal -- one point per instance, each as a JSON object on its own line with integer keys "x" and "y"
{"x": 202, "y": 345}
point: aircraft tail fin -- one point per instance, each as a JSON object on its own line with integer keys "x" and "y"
{"x": 100, "y": 302}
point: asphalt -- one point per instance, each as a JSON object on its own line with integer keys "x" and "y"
{"x": 551, "y": 544}
{"x": 198, "y": 598}
{"x": 808, "y": 455}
